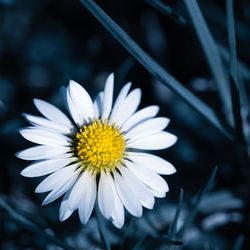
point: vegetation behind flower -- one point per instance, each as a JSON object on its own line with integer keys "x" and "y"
{"x": 43, "y": 45}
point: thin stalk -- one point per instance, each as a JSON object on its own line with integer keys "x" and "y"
{"x": 31, "y": 226}
{"x": 211, "y": 52}
{"x": 235, "y": 97}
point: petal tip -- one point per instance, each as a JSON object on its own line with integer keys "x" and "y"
{"x": 150, "y": 207}
{"x": 23, "y": 173}
{"x": 110, "y": 79}
{"x": 25, "y": 115}
{"x": 173, "y": 170}
{"x": 21, "y": 131}
{"x": 37, "y": 190}
{"x": 45, "y": 202}
{"x": 38, "y": 102}
{"x": 18, "y": 154}
{"x": 111, "y": 75}
{"x": 64, "y": 216}
{"x": 118, "y": 224}
{"x": 72, "y": 82}
{"x": 83, "y": 220}
{"x": 175, "y": 138}
{"x": 74, "y": 86}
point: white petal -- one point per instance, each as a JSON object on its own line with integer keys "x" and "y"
{"x": 150, "y": 178}
{"x": 42, "y": 152}
{"x": 43, "y": 136}
{"x": 81, "y": 102}
{"x": 128, "y": 198}
{"x": 64, "y": 212}
{"x": 73, "y": 110}
{"x": 63, "y": 93}
{"x": 60, "y": 190}
{"x": 158, "y": 194}
{"x": 43, "y": 122}
{"x": 88, "y": 198}
{"x": 128, "y": 107}
{"x": 96, "y": 109}
{"x": 141, "y": 191}
{"x": 119, "y": 102}
{"x": 76, "y": 193}
{"x": 105, "y": 195}
{"x": 139, "y": 116}
{"x": 118, "y": 210}
{"x": 148, "y": 127}
{"x": 52, "y": 113}
{"x": 152, "y": 162}
{"x": 41, "y": 168}
{"x": 98, "y": 104}
{"x": 108, "y": 97}
{"x": 56, "y": 179}
{"x": 154, "y": 142}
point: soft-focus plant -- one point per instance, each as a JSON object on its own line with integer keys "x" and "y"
{"x": 96, "y": 156}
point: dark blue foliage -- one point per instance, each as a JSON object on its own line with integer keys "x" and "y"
{"x": 45, "y": 43}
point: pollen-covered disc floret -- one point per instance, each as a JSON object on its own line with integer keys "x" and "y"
{"x": 100, "y": 146}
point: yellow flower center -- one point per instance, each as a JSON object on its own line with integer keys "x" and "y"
{"x": 100, "y": 146}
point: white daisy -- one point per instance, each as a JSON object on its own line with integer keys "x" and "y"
{"x": 97, "y": 156}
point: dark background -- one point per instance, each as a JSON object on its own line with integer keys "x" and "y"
{"x": 45, "y": 43}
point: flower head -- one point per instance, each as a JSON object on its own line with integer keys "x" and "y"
{"x": 97, "y": 155}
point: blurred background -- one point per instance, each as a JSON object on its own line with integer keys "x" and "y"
{"x": 45, "y": 43}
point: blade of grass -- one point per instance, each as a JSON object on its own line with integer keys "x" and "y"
{"x": 243, "y": 69}
{"x": 31, "y": 226}
{"x": 217, "y": 16}
{"x": 102, "y": 228}
{"x": 168, "y": 11}
{"x": 239, "y": 243}
{"x": 244, "y": 73}
{"x": 127, "y": 233}
{"x": 160, "y": 236}
{"x": 198, "y": 198}
{"x": 167, "y": 240}
{"x": 140, "y": 241}
{"x": 173, "y": 226}
{"x": 234, "y": 83}
{"x": 153, "y": 67}
{"x": 211, "y": 52}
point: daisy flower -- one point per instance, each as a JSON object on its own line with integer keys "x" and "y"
{"x": 99, "y": 154}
